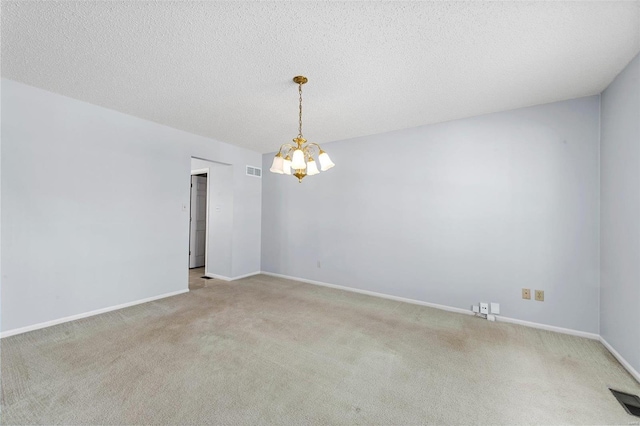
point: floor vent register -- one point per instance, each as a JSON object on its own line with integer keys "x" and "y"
{"x": 631, "y": 403}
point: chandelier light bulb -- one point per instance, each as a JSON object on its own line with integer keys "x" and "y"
{"x": 312, "y": 169}
{"x": 286, "y": 165}
{"x": 325, "y": 161}
{"x": 276, "y": 166}
{"x": 297, "y": 162}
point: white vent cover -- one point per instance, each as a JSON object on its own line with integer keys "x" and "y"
{"x": 254, "y": 171}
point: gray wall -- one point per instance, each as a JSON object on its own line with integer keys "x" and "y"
{"x": 92, "y": 206}
{"x": 620, "y": 210}
{"x": 454, "y": 213}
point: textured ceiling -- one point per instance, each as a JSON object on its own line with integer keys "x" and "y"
{"x": 224, "y": 69}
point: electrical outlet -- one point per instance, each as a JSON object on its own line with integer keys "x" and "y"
{"x": 495, "y": 308}
{"x": 540, "y": 295}
{"x": 526, "y": 293}
{"x": 476, "y": 309}
{"x": 484, "y": 308}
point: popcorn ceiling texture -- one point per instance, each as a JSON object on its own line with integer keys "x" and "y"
{"x": 224, "y": 69}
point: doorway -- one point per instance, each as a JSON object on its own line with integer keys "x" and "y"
{"x": 198, "y": 221}
{"x": 216, "y": 206}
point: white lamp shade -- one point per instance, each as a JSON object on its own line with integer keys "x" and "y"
{"x": 297, "y": 162}
{"x": 312, "y": 169}
{"x": 286, "y": 166}
{"x": 325, "y": 161}
{"x": 276, "y": 166}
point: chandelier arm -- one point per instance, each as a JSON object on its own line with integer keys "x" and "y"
{"x": 286, "y": 145}
{"x": 316, "y": 145}
{"x": 307, "y": 152}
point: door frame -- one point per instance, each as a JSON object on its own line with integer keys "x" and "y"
{"x": 206, "y": 233}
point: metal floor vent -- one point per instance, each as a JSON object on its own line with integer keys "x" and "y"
{"x": 631, "y": 403}
{"x": 206, "y": 278}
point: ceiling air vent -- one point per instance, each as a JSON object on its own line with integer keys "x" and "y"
{"x": 254, "y": 171}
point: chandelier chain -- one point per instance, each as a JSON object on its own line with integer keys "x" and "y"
{"x": 300, "y": 111}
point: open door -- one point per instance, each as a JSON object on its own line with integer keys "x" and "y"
{"x": 198, "y": 223}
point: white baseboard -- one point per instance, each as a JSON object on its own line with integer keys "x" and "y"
{"x": 239, "y": 277}
{"x": 373, "y": 293}
{"x": 442, "y": 307}
{"x": 621, "y": 360}
{"x": 217, "y": 277}
{"x": 224, "y": 278}
{"x": 86, "y": 314}
{"x": 540, "y": 326}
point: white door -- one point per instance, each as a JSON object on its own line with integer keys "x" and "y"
{"x": 198, "y": 224}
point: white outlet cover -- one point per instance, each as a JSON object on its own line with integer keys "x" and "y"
{"x": 476, "y": 309}
{"x": 495, "y": 308}
{"x": 484, "y": 308}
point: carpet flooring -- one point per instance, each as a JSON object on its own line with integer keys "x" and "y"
{"x": 265, "y": 350}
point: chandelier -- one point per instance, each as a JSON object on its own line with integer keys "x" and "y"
{"x": 298, "y": 160}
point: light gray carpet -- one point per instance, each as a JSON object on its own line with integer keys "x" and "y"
{"x": 267, "y": 350}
